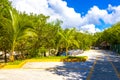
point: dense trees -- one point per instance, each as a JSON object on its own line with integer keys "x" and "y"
{"x": 33, "y": 35}
{"x": 110, "y": 35}
{"x": 4, "y": 20}
{"x": 68, "y": 38}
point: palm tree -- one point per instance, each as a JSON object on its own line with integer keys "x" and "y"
{"x": 17, "y": 28}
{"x": 68, "y": 38}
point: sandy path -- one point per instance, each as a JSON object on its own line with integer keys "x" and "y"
{"x": 93, "y": 54}
{"x": 61, "y": 71}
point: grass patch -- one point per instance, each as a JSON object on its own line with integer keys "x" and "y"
{"x": 16, "y": 62}
{"x": 59, "y": 59}
{"x": 51, "y": 57}
{"x": 20, "y": 63}
{"x": 75, "y": 59}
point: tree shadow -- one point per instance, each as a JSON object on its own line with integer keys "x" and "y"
{"x": 115, "y": 59}
{"x": 73, "y": 70}
{"x": 103, "y": 69}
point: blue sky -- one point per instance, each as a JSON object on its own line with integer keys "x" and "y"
{"x": 84, "y": 5}
{"x": 86, "y": 15}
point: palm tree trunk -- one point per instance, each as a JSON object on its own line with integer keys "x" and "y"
{"x": 5, "y": 57}
{"x": 66, "y": 51}
{"x": 49, "y": 51}
{"x": 12, "y": 56}
{"x": 12, "y": 52}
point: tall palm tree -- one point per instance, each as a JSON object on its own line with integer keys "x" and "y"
{"x": 17, "y": 28}
{"x": 68, "y": 39}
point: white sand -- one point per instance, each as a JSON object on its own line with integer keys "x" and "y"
{"x": 42, "y": 74}
{"x": 93, "y": 54}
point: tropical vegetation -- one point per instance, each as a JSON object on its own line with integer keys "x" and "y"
{"x": 32, "y": 35}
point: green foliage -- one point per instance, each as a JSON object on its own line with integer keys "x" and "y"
{"x": 62, "y": 58}
{"x": 97, "y": 38}
{"x": 28, "y": 34}
{"x": 4, "y": 16}
{"x": 67, "y": 38}
{"x": 111, "y": 35}
{"x": 16, "y": 62}
{"x": 85, "y": 40}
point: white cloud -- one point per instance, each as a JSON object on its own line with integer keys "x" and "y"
{"x": 114, "y": 16}
{"x": 93, "y": 15}
{"x": 90, "y": 28}
{"x": 58, "y": 9}
{"x": 31, "y": 6}
{"x": 67, "y": 15}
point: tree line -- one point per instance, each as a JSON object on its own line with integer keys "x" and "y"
{"x": 111, "y": 36}
{"x": 32, "y": 35}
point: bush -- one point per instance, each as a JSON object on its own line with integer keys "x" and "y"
{"x": 75, "y": 59}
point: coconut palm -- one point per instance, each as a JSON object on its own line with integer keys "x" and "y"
{"x": 17, "y": 28}
{"x": 68, "y": 38}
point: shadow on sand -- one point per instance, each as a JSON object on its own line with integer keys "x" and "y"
{"x": 103, "y": 69}
{"x": 73, "y": 70}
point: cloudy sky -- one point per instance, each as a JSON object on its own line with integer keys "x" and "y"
{"x": 86, "y": 15}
